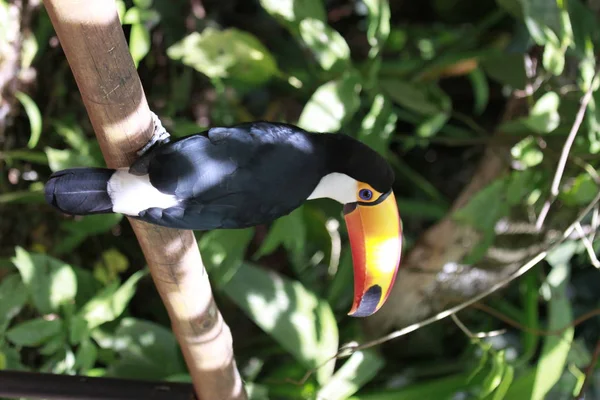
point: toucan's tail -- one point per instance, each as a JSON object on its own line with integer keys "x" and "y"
{"x": 80, "y": 191}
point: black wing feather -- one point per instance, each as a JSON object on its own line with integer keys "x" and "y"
{"x": 233, "y": 177}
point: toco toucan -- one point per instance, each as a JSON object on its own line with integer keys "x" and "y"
{"x": 251, "y": 174}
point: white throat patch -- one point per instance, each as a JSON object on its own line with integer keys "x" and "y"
{"x": 336, "y": 186}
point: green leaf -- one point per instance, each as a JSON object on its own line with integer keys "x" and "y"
{"x": 25, "y": 155}
{"x": 536, "y": 382}
{"x": 554, "y": 59}
{"x": 580, "y": 192}
{"x": 111, "y": 264}
{"x": 378, "y": 28}
{"x": 544, "y": 21}
{"x": 424, "y": 99}
{"x": 481, "y": 90}
{"x": 86, "y": 356}
{"x": 432, "y": 125}
{"x": 379, "y": 124}
{"x": 63, "y": 159}
{"x": 223, "y": 252}
{"x": 35, "y": 118}
{"x": 482, "y": 212}
{"x": 146, "y": 351}
{"x": 139, "y": 42}
{"x": 443, "y": 388}
{"x": 331, "y": 105}
{"x": 13, "y": 296}
{"x": 294, "y": 11}
{"x": 34, "y": 332}
{"x": 527, "y": 152}
{"x": 506, "y": 381}
{"x": 229, "y": 53}
{"x": 22, "y": 197}
{"x": 288, "y": 231}
{"x": 327, "y": 45}
{"x": 544, "y": 117}
{"x": 507, "y": 69}
{"x": 494, "y": 377}
{"x": 50, "y": 282}
{"x": 297, "y": 319}
{"x": 360, "y": 368}
{"x": 110, "y": 303}
{"x": 77, "y": 230}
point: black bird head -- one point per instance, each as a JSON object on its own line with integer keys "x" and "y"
{"x": 361, "y": 179}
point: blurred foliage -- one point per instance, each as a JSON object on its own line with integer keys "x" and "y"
{"x": 415, "y": 81}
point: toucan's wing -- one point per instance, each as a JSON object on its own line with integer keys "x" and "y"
{"x": 234, "y": 177}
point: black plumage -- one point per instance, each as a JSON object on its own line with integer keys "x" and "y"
{"x": 233, "y": 177}
{"x": 236, "y": 177}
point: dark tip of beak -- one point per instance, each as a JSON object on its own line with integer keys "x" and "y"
{"x": 348, "y": 208}
{"x": 369, "y": 301}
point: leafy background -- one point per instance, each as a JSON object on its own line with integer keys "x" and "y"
{"x": 424, "y": 83}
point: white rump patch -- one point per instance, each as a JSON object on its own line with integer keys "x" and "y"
{"x": 131, "y": 194}
{"x": 336, "y": 186}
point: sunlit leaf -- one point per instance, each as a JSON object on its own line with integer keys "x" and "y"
{"x": 294, "y": 11}
{"x": 378, "y": 125}
{"x": 543, "y": 118}
{"x": 330, "y": 106}
{"x": 505, "y": 382}
{"x": 554, "y": 59}
{"x": 229, "y": 53}
{"x": 495, "y": 375}
{"x": 288, "y": 231}
{"x": 527, "y": 152}
{"x": 297, "y": 319}
{"x": 110, "y": 303}
{"x": 223, "y": 252}
{"x": 360, "y": 368}
{"x": 35, "y": 118}
{"x": 581, "y": 191}
{"x": 378, "y": 28}
{"x": 139, "y": 42}
{"x": 63, "y": 159}
{"x": 50, "y": 282}
{"x": 327, "y": 45}
{"x": 432, "y": 124}
{"x": 147, "y": 351}
{"x": 34, "y": 332}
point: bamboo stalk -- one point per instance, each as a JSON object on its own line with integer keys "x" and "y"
{"x": 93, "y": 41}
{"x": 35, "y": 385}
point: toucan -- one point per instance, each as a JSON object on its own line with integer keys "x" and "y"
{"x": 251, "y": 174}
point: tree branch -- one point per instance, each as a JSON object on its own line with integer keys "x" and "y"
{"x": 94, "y": 44}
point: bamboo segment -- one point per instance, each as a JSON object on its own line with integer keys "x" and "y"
{"x": 93, "y": 41}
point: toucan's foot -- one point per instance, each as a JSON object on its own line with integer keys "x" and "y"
{"x": 160, "y": 136}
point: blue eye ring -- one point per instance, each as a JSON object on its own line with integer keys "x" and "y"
{"x": 365, "y": 194}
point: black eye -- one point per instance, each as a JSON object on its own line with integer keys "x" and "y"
{"x": 365, "y": 194}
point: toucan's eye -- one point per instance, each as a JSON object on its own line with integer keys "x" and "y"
{"x": 365, "y": 194}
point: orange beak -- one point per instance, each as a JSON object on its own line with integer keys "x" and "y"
{"x": 375, "y": 235}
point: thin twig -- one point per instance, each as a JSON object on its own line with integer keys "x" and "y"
{"x": 588, "y": 246}
{"x": 462, "y": 326}
{"x": 562, "y": 162}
